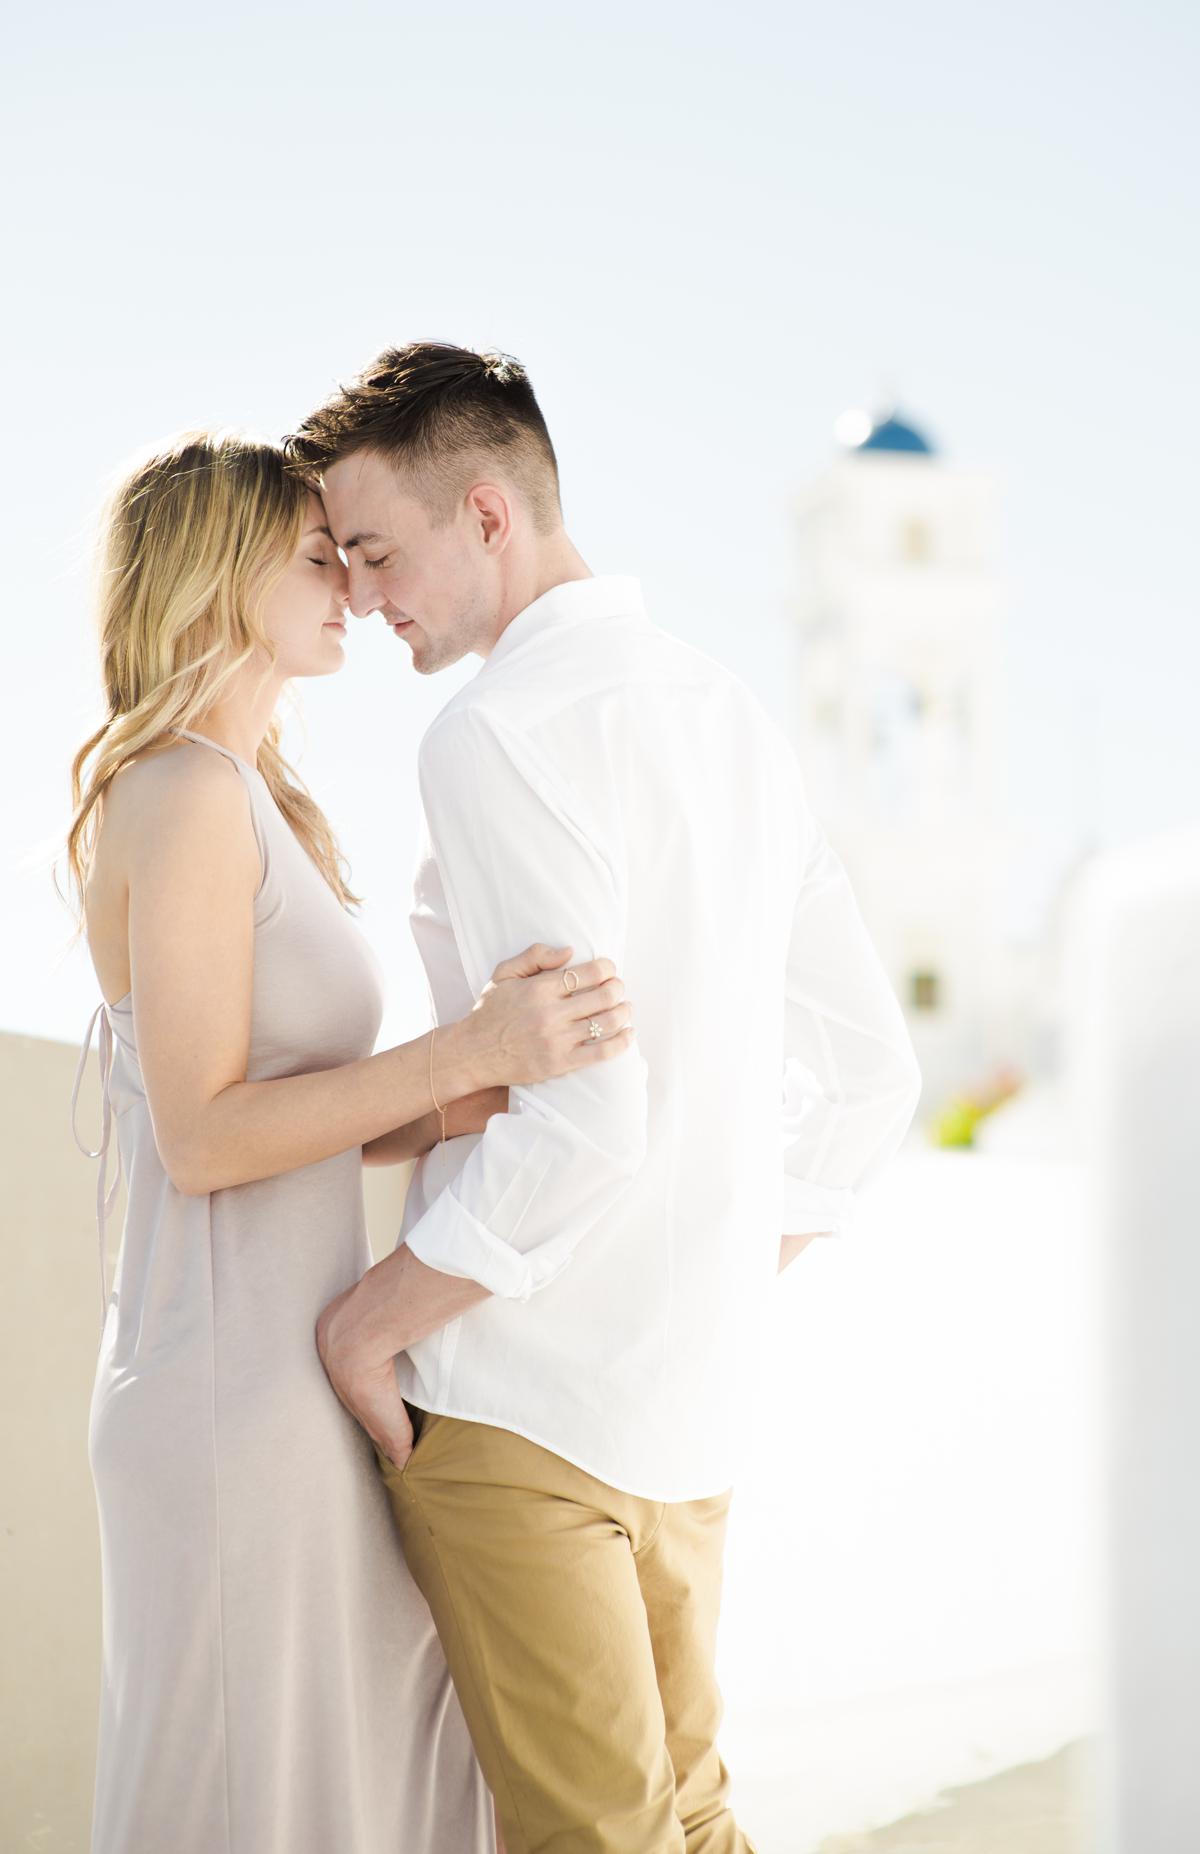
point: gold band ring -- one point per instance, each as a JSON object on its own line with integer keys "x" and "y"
{"x": 570, "y": 981}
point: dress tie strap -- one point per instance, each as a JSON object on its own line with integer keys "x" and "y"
{"x": 106, "y": 1197}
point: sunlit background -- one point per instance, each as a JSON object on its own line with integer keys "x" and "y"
{"x": 866, "y": 338}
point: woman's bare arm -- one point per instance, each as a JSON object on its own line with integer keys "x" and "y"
{"x": 193, "y": 869}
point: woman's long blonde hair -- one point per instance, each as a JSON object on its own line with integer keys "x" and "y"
{"x": 195, "y": 537}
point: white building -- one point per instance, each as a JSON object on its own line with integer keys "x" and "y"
{"x": 897, "y": 730}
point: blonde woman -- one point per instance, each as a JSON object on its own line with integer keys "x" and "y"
{"x": 272, "y": 1680}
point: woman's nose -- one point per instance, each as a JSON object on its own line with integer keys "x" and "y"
{"x": 341, "y": 587}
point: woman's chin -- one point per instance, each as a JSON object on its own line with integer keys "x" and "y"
{"x": 326, "y": 661}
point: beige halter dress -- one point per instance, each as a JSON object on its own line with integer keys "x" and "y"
{"x": 272, "y": 1680}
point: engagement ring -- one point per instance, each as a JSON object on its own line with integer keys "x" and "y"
{"x": 594, "y": 1029}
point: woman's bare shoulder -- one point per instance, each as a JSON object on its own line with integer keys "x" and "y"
{"x": 174, "y": 812}
{"x": 176, "y": 788}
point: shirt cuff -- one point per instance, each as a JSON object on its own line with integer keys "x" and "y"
{"x": 815, "y": 1210}
{"x": 454, "y": 1242}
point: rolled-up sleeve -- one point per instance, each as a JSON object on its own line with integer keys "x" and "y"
{"x": 520, "y": 862}
{"x": 851, "y": 1082}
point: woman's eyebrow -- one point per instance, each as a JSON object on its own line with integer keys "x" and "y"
{"x": 319, "y": 528}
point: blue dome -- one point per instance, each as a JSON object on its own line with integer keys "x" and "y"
{"x": 893, "y": 434}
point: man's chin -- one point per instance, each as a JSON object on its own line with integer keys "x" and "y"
{"x": 428, "y": 663}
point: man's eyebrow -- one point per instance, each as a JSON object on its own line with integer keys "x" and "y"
{"x": 356, "y": 540}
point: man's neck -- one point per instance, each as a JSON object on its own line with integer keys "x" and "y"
{"x": 560, "y": 563}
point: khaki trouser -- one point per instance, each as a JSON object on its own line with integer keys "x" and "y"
{"x": 579, "y": 1624}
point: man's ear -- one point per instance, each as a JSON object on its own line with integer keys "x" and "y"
{"x": 491, "y": 512}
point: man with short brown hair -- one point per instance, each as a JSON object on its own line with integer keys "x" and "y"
{"x": 573, "y": 1317}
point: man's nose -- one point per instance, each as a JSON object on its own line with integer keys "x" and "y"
{"x": 358, "y": 596}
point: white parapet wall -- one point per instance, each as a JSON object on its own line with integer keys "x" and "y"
{"x": 1137, "y": 940}
{"x": 910, "y": 1589}
{"x": 911, "y": 1595}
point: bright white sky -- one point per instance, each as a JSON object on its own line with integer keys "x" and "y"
{"x": 707, "y": 231}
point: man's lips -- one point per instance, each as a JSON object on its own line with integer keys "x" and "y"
{"x": 399, "y": 624}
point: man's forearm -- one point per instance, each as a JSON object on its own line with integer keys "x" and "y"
{"x": 402, "y": 1143}
{"x": 470, "y": 1113}
{"x": 790, "y": 1247}
{"x": 399, "y": 1301}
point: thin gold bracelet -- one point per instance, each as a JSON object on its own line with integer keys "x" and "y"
{"x": 441, "y": 1110}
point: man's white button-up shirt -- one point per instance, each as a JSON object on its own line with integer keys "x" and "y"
{"x": 600, "y": 784}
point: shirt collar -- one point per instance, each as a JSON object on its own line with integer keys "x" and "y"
{"x": 605, "y": 595}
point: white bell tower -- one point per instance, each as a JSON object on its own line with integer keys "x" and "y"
{"x": 898, "y": 609}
